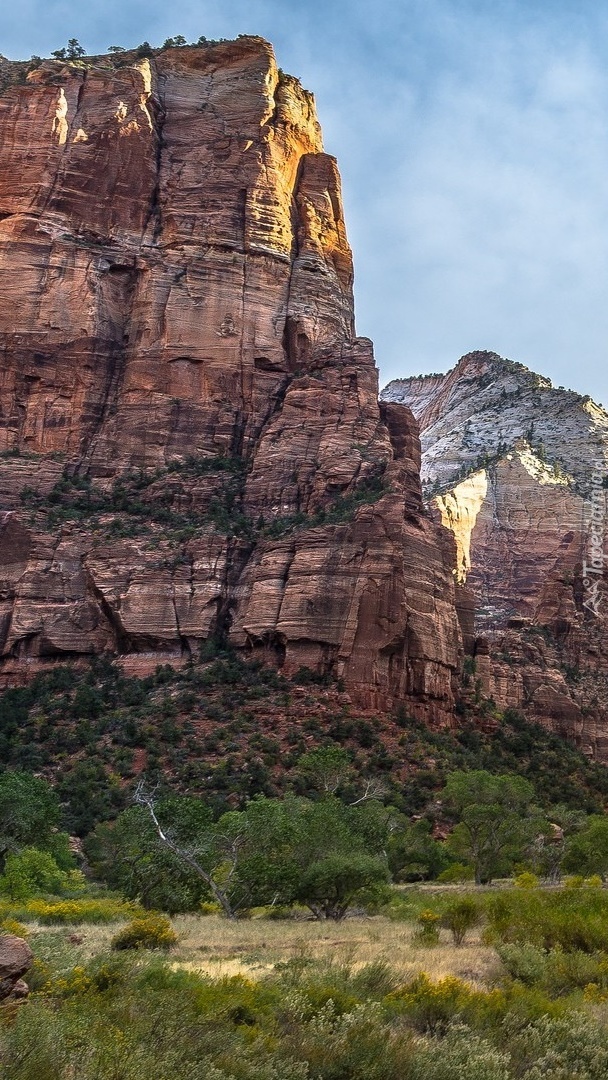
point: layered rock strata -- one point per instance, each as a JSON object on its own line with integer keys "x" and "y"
{"x": 190, "y": 439}
{"x": 516, "y": 470}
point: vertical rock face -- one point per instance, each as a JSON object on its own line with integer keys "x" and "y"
{"x": 516, "y": 470}
{"x": 190, "y": 437}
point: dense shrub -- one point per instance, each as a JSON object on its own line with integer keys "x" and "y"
{"x": 126, "y": 1015}
{"x": 461, "y": 915}
{"x": 13, "y": 926}
{"x": 431, "y": 1006}
{"x": 560, "y": 1048}
{"x": 526, "y": 880}
{"x": 556, "y": 972}
{"x": 460, "y": 1056}
{"x": 574, "y": 919}
{"x": 456, "y": 874}
{"x": 525, "y": 962}
{"x": 146, "y": 932}
{"x": 353, "y": 1044}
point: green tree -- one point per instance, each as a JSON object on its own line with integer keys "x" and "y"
{"x": 128, "y": 854}
{"x": 330, "y": 885}
{"x": 321, "y": 854}
{"x": 413, "y": 853}
{"x": 549, "y": 847}
{"x": 87, "y": 797}
{"x": 30, "y": 873}
{"x": 587, "y": 852}
{"x": 329, "y": 770}
{"x": 339, "y": 853}
{"x": 461, "y": 915}
{"x": 496, "y": 820}
{"x": 326, "y": 768}
{"x": 257, "y": 864}
{"x": 273, "y": 851}
{"x": 74, "y": 49}
{"x": 29, "y": 814}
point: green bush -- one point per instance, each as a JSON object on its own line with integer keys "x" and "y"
{"x": 593, "y": 882}
{"x": 526, "y": 880}
{"x": 456, "y": 874}
{"x": 146, "y": 932}
{"x": 574, "y": 919}
{"x": 355, "y": 1045}
{"x": 13, "y": 926}
{"x": 460, "y": 916}
{"x": 556, "y": 972}
{"x": 431, "y": 1006}
{"x": 461, "y": 1056}
{"x": 561, "y": 1048}
{"x": 525, "y": 962}
{"x": 574, "y": 881}
{"x": 126, "y": 1016}
{"x": 427, "y": 932}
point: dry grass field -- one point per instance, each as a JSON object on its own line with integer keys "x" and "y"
{"x": 252, "y": 947}
{"x": 219, "y": 947}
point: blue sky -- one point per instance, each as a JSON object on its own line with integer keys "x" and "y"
{"x": 472, "y": 138}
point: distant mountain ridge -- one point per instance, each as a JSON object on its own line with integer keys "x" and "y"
{"x": 487, "y": 405}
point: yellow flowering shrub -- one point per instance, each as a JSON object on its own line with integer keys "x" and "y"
{"x": 427, "y": 932}
{"x": 431, "y": 1005}
{"x": 61, "y": 912}
{"x": 526, "y": 880}
{"x": 146, "y": 932}
{"x": 593, "y": 882}
{"x": 13, "y": 926}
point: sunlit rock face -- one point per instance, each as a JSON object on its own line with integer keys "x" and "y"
{"x": 177, "y": 319}
{"x": 515, "y": 469}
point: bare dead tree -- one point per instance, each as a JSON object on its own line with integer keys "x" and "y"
{"x": 374, "y": 789}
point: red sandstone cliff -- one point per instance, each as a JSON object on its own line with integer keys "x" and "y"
{"x": 190, "y": 436}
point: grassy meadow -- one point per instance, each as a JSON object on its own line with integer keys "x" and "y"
{"x": 373, "y": 997}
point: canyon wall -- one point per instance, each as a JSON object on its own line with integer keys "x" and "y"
{"x": 516, "y": 470}
{"x": 191, "y": 444}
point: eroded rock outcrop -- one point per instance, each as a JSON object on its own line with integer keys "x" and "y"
{"x": 516, "y": 470}
{"x": 191, "y": 439}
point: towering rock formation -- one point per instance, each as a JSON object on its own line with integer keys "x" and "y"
{"x": 191, "y": 442}
{"x": 516, "y": 470}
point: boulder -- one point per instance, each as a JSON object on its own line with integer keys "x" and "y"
{"x": 15, "y": 960}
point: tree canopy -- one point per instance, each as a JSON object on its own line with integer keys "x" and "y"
{"x": 30, "y": 813}
{"x": 496, "y": 819}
